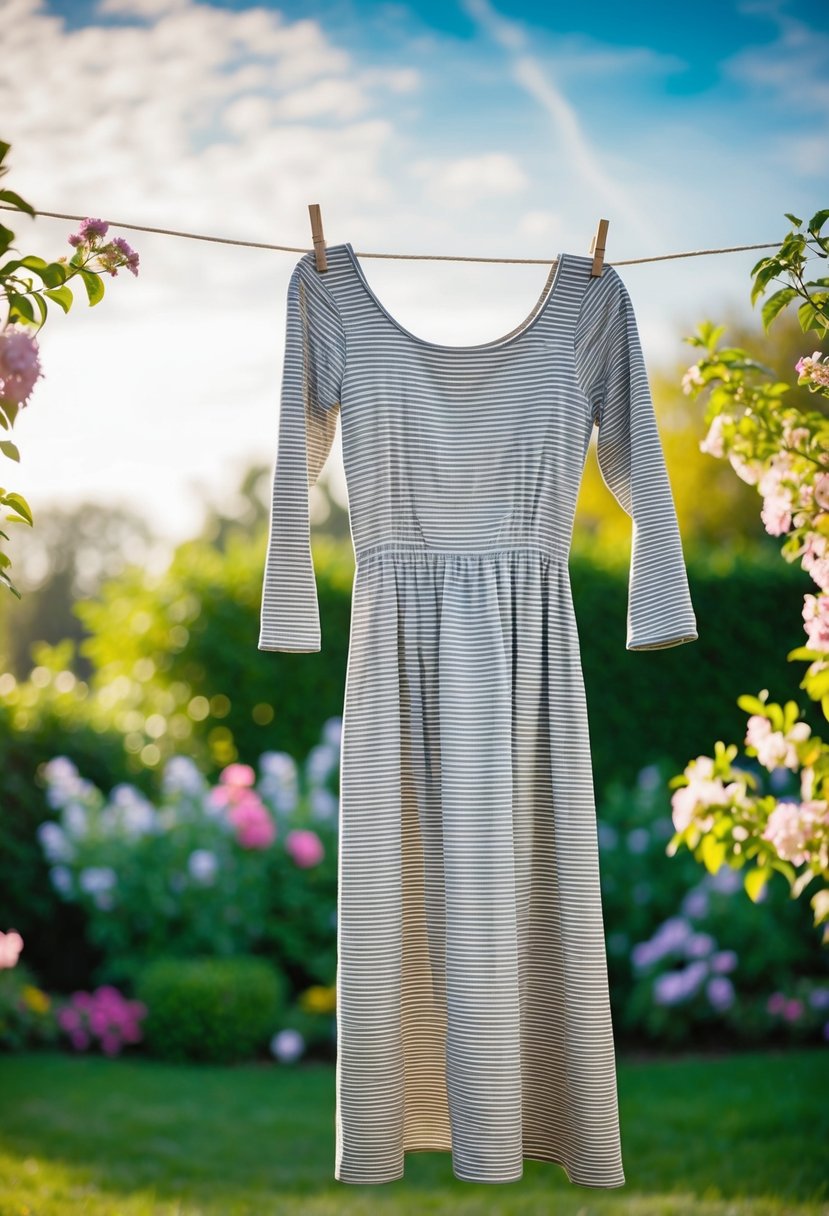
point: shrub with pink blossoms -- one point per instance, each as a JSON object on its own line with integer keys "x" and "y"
{"x": 204, "y": 869}
{"x": 103, "y": 1018}
{"x": 25, "y": 315}
{"x": 719, "y": 810}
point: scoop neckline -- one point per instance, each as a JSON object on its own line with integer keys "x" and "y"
{"x": 497, "y": 344}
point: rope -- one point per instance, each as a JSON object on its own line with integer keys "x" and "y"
{"x": 435, "y": 257}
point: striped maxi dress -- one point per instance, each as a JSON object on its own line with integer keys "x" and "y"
{"x": 472, "y": 994}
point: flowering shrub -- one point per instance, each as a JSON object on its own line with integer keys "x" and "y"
{"x": 310, "y": 1025}
{"x": 207, "y": 871}
{"x": 720, "y": 813}
{"x": 26, "y": 1011}
{"x": 27, "y": 309}
{"x": 101, "y": 1018}
{"x": 688, "y": 957}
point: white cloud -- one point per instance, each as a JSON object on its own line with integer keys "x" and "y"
{"x": 459, "y": 182}
{"x": 794, "y": 69}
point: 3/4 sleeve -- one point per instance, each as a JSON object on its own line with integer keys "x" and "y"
{"x": 632, "y": 464}
{"x": 314, "y": 363}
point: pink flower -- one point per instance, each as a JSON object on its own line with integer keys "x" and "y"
{"x": 11, "y": 944}
{"x": 776, "y": 1002}
{"x": 821, "y": 491}
{"x": 793, "y": 1010}
{"x": 749, "y": 470}
{"x": 79, "y": 1040}
{"x": 19, "y": 365}
{"x": 713, "y": 441}
{"x": 304, "y": 847}
{"x": 255, "y": 829}
{"x": 774, "y": 749}
{"x": 812, "y": 368}
{"x": 776, "y": 513}
{"x": 69, "y": 1019}
{"x": 89, "y": 231}
{"x": 691, "y": 377}
{"x": 795, "y": 435}
{"x": 816, "y": 620}
{"x": 237, "y": 774}
{"x": 791, "y": 828}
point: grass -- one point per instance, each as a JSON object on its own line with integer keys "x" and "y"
{"x": 738, "y": 1135}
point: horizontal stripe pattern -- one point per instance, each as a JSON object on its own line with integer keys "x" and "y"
{"x": 473, "y": 1012}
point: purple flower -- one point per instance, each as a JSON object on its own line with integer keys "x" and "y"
{"x": 720, "y": 991}
{"x": 19, "y": 365}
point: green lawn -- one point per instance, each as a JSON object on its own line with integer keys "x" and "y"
{"x": 738, "y": 1135}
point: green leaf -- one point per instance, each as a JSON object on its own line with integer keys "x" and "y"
{"x": 37, "y": 299}
{"x": 804, "y": 652}
{"x": 769, "y": 270}
{"x": 820, "y": 903}
{"x": 11, "y": 409}
{"x": 775, "y": 303}
{"x": 18, "y": 503}
{"x": 9, "y": 196}
{"x": 801, "y": 883}
{"x": 94, "y": 286}
{"x": 754, "y": 882}
{"x": 19, "y": 306}
{"x": 9, "y": 449}
{"x": 806, "y": 315}
{"x": 713, "y": 853}
{"x": 784, "y": 867}
{"x": 61, "y": 295}
{"x": 793, "y": 219}
{"x": 818, "y": 220}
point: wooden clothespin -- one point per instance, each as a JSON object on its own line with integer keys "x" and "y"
{"x": 317, "y": 236}
{"x": 597, "y": 247}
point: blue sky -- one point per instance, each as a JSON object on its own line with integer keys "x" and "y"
{"x": 468, "y": 128}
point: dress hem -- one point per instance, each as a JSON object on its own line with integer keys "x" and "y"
{"x": 604, "y": 1186}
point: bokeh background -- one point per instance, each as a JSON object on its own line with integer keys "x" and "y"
{"x": 169, "y": 792}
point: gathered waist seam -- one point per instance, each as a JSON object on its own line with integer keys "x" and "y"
{"x": 396, "y": 547}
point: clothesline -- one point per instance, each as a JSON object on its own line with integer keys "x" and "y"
{"x": 438, "y": 257}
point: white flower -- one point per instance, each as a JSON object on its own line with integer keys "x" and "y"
{"x": 54, "y": 842}
{"x": 323, "y": 804}
{"x": 97, "y": 878}
{"x": 75, "y": 819}
{"x": 332, "y": 731}
{"x": 203, "y": 865}
{"x": 287, "y": 1045}
{"x": 59, "y": 768}
{"x": 133, "y": 813}
{"x": 321, "y": 762}
{"x": 61, "y": 879}
{"x": 182, "y": 776}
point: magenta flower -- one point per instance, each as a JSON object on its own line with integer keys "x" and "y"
{"x": 90, "y": 230}
{"x": 304, "y": 847}
{"x": 255, "y": 828}
{"x": 104, "y": 1016}
{"x": 110, "y": 256}
{"x": 19, "y": 365}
